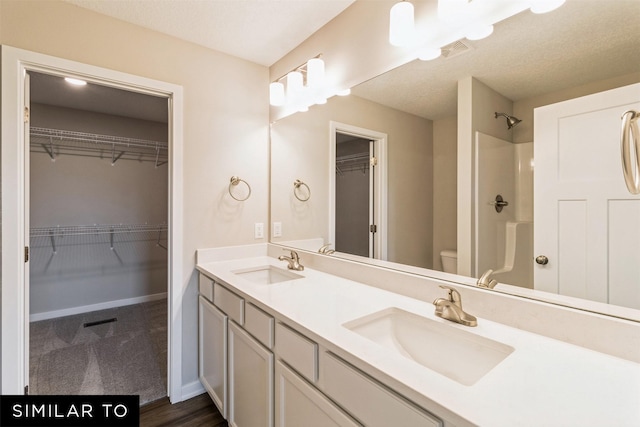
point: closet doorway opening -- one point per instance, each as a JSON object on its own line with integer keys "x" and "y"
{"x": 97, "y": 213}
{"x": 358, "y": 191}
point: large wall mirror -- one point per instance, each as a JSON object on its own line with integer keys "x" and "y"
{"x": 416, "y": 114}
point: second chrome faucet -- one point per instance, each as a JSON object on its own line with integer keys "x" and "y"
{"x": 451, "y": 309}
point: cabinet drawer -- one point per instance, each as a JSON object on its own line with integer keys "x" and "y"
{"x": 205, "y": 287}
{"x": 298, "y": 351}
{"x": 369, "y": 401}
{"x": 259, "y": 324}
{"x": 231, "y": 304}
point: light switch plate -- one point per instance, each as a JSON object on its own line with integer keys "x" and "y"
{"x": 277, "y": 229}
{"x": 259, "y": 230}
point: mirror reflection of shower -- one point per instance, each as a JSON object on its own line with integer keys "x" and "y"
{"x": 511, "y": 120}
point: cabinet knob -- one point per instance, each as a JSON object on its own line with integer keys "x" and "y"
{"x": 542, "y": 260}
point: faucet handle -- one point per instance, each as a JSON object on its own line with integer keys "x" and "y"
{"x": 454, "y": 296}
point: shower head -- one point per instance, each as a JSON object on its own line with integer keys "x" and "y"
{"x": 511, "y": 121}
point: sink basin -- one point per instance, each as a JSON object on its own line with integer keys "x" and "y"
{"x": 266, "y": 274}
{"x": 460, "y": 355}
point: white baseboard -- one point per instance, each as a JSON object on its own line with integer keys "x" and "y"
{"x": 94, "y": 307}
{"x": 192, "y": 389}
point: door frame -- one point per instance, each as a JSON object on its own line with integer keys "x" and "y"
{"x": 14, "y": 292}
{"x": 379, "y": 180}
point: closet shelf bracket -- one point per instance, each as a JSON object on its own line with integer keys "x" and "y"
{"x": 53, "y": 241}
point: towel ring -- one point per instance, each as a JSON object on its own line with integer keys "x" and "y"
{"x": 296, "y": 186}
{"x": 234, "y": 182}
{"x": 630, "y": 150}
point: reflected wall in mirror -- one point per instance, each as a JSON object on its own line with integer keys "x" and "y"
{"x": 437, "y": 113}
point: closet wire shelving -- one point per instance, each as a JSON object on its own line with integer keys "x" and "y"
{"x": 353, "y": 162}
{"x": 112, "y": 235}
{"x": 57, "y": 142}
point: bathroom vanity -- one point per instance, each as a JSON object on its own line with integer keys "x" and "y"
{"x": 281, "y": 347}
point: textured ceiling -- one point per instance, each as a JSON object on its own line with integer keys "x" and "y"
{"x": 527, "y": 55}
{"x": 261, "y": 31}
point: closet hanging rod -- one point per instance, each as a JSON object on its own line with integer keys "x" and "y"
{"x": 55, "y": 135}
{"x": 78, "y": 230}
{"x": 361, "y": 158}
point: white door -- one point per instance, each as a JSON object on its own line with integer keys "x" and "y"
{"x": 374, "y": 232}
{"x": 586, "y": 223}
{"x": 27, "y": 195}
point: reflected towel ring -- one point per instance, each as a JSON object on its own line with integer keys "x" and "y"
{"x": 234, "y": 182}
{"x": 630, "y": 150}
{"x": 296, "y": 186}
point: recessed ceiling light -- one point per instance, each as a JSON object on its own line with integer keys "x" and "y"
{"x": 76, "y": 82}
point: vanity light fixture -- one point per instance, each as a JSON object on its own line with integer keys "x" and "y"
{"x": 544, "y": 6}
{"x": 75, "y": 82}
{"x": 451, "y": 11}
{"x": 276, "y": 94}
{"x": 315, "y": 73}
{"x": 472, "y": 18}
{"x": 301, "y": 87}
{"x": 428, "y": 54}
{"x": 480, "y": 32}
{"x": 401, "y": 24}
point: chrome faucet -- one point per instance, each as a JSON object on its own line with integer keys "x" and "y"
{"x": 485, "y": 281}
{"x": 293, "y": 261}
{"x": 325, "y": 249}
{"x": 451, "y": 309}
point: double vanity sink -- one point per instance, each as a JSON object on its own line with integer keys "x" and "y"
{"x": 490, "y": 374}
{"x": 433, "y": 344}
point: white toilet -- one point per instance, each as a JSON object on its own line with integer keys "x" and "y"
{"x": 449, "y": 261}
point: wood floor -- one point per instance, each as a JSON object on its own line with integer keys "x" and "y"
{"x": 197, "y": 411}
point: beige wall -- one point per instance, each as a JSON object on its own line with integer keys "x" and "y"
{"x": 477, "y": 104}
{"x": 225, "y": 120}
{"x": 300, "y": 149}
{"x": 523, "y": 109}
{"x": 445, "y": 152}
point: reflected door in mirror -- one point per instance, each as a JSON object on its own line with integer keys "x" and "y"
{"x": 586, "y": 223}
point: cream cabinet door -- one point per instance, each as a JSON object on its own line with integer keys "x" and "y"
{"x": 299, "y": 404}
{"x": 212, "y": 363}
{"x": 250, "y": 380}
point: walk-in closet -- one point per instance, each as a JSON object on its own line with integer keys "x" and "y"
{"x": 98, "y": 202}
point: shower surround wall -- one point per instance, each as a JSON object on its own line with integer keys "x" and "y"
{"x": 85, "y": 273}
{"x": 504, "y": 239}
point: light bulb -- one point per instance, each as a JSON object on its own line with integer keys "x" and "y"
{"x": 451, "y": 11}
{"x": 294, "y": 85}
{"x": 544, "y": 6}
{"x": 75, "y": 82}
{"x": 479, "y": 32}
{"x": 401, "y": 24}
{"x": 276, "y": 94}
{"x": 315, "y": 72}
{"x": 428, "y": 54}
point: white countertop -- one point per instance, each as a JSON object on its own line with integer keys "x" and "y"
{"x": 544, "y": 382}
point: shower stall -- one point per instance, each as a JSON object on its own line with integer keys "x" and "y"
{"x": 504, "y": 209}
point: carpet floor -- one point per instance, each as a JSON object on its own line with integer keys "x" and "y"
{"x": 126, "y": 356}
